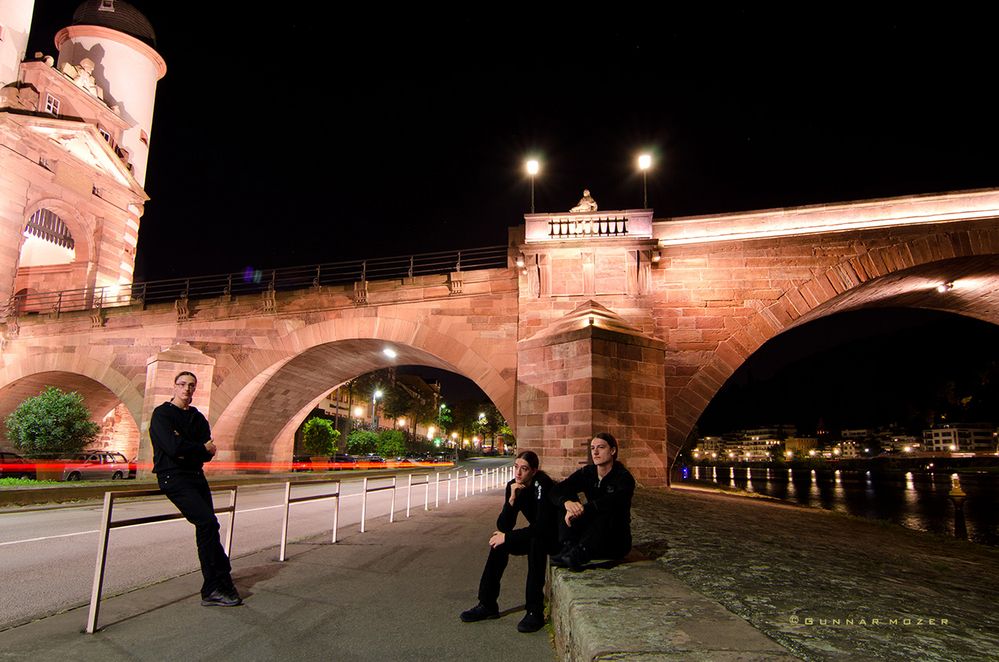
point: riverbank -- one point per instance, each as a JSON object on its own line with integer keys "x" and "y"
{"x": 815, "y": 581}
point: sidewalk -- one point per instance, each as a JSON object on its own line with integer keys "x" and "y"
{"x": 815, "y": 585}
{"x": 392, "y": 593}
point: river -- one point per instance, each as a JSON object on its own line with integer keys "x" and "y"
{"x": 915, "y": 499}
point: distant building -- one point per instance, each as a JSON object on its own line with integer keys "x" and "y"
{"x": 847, "y": 449}
{"x": 899, "y": 442}
{"x": 708, "y": 445}
{"x": 961, "y": 438}
{"x": 800, "y": 445}
{"x": 757, "y": 448}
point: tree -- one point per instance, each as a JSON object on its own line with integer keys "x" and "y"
{"x": 391, "y": 443}
{"x": 362, "y": 442}
{"x": 319, "y": 436}
{"x": 51, "y": 422}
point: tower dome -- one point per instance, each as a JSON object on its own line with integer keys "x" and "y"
{"x": 117, "y": 15}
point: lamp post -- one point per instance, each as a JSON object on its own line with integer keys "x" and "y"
{"x": 374, "y": 412}
{"x": 532, "y": 170}
{"x": 644, "y": 163}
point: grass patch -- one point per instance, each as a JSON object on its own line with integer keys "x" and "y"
{"x": 25, "y": 482}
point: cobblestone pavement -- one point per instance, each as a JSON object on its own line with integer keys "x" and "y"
{"x": 825, "y": 585}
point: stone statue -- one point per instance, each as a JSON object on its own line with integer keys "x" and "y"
{"x": 585, "y": 204}
{"x": 83, "y": 75}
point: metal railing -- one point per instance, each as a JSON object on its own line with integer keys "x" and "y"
{"x": 302, "y": 499}
{"x": 107, "y": 525}
{"x": 488, "y": 479}
{"x": 251, "y": 281}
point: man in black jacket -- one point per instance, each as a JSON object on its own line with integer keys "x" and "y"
{"x": 529, "y": 494}
{"x": 182, "y": 443}
{"x": 596, "y": 522}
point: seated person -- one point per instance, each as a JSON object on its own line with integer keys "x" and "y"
{"x": 529, "y": 494}
{"x": 596, "y": 522}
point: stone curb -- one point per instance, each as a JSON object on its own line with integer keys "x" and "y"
{"x": 636, "y": 610}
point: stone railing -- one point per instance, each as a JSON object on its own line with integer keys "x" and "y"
{"x": 630, "y": 223}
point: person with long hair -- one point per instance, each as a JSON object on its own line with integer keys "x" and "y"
{"x": 528, "y": 494}
{"x": 595, "y": 508}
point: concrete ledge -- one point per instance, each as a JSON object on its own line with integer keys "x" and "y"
{"x": 636, "y": 610}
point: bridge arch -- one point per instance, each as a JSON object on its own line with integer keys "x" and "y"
{"x": 257, "y": 422}
{"x": 963, "y": 264}
{"x": 103, "y": 389}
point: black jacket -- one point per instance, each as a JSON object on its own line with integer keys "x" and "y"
{"x": 179, "y": 437}
{"x": 610, "y": 496}
{"x": 535, "y": 503}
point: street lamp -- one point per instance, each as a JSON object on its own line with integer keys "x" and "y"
{"x": 644, "y": 163}
{"x": 374, "y": 412}
{"x": 532, "y": 170}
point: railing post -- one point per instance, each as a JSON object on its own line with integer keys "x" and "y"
{"x": 336, "y": 510}
{"x": 364, "y": 503}
{"x": 449, "y": 487}
{"x": 466, "y": 483}
{"x": 409, "y": 492}
{"x": 426, "y": 494}
{"x": 437, "y": 492}
{"x": 392, "y": 507}
{"x": 102, "y": 551}
{"x": 232, "y": 522}
{"x": 284, "y": 522}
{"x": 410, "y": 266}
{"x": 58, "y": 305}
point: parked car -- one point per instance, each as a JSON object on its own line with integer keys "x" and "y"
{"x": 371, "y": 459}
{"x": 13, "y": 465}
{"x": 301, "y": 463}
{"x": 97, "y": 465}
{"x": 342, "y": 461}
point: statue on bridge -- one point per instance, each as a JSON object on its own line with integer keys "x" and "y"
{"x": 585, "y": 204}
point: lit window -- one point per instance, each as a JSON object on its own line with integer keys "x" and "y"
{"x": 51, "y": 104}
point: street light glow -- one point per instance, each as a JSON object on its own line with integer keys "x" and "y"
{"x": 644, "y": 162}
{"x": 378, "y": 393}
{"x": 532, "y": 170}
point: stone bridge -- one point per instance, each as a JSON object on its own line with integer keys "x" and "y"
{"x": 601, "y": 321}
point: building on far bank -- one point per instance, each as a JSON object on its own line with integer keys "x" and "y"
{"x": 960, "y": 438}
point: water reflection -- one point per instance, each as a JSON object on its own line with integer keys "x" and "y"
{"x": 918, "y": 500}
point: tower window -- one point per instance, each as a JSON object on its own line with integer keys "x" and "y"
{"x": 51, "y": 104}
{"x": 106, "y": 5}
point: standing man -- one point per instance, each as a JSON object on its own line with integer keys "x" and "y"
{"x": 529, "y": 493}
{"x": 596, "y": 522}
{"x": 182, "y": 443}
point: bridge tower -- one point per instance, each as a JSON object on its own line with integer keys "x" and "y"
{"x": 15, "y": 24}
{"x": 75, "y": 137}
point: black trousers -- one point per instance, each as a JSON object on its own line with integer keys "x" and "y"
{"x": 599, "y": 533}
{"x": 537, "y": 558}
{"x": 189, "y": 491}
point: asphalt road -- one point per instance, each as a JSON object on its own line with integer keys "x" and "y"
{"x": 48, "y": 556}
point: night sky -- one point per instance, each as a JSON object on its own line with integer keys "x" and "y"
{"x": 321, "y": 134}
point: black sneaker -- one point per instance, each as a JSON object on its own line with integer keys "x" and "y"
{"x": 222, "y": 599}
{"x": 532, "y": 622}
{"x": 479, "y": 612}
{"x": 574, "y": 559}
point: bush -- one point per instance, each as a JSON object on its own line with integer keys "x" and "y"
{"x": 319, "y": 436}
{"x": 51, "y": 422}
{"x": 362, "y": 442}
{"x": 391, "y": 443}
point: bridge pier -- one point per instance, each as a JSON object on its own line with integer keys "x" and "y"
{"x": 161, "y": 369}
{"x": 592, "y": 372}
